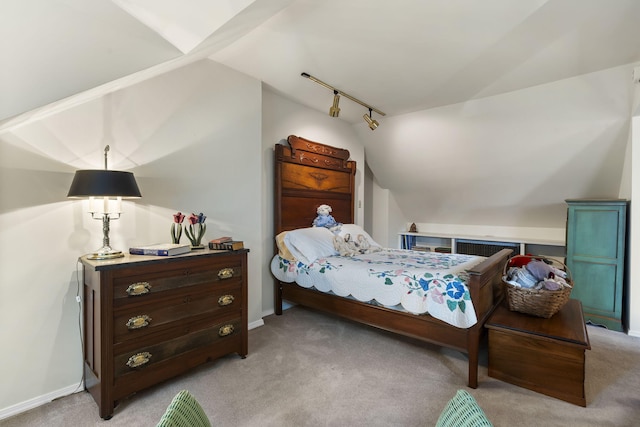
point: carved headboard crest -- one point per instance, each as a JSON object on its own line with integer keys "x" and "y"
{"x": 331, "y": 156}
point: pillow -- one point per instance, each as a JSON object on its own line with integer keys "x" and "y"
{"x": 354, "y": 230}
{"x": 463, "y": 411}
{"x": 309, "y": 244}
{"x": 184, "y": 411}
{"x": 283, "y": 251}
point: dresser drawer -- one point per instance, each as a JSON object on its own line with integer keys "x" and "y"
{"x": 167, "y": 278}
{"x": 147, "y": 316}
{"x": 137, "y": 362}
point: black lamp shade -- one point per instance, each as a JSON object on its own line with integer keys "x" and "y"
{"x": 104, "y": 183}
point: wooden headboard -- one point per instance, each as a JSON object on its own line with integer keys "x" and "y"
{"x": 307, "y": 175}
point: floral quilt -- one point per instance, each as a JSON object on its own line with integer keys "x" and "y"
{"x": 413, "y": 281}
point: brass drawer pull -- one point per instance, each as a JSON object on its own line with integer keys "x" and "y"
{"x": 139, "y": 359}
{"x": 225, "y": 300}
{"x": 225, "y": 330}
{"x": 225, "y": 273}
{"x": 138, "y": 322}
{"x": 139, "y": 288}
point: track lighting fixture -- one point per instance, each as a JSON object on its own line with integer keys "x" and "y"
{"x": 373, "y": 124}
{"x": 334, "y": 111}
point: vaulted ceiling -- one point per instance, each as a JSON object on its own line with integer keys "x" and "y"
{"x": 397, "y": 56}
{"x": 400, "y": 57}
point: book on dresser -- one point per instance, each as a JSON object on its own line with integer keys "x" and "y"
{"x": 227, "y": 245}
{"x": 218, "y": 243}
{"x": 161, "y": 249}
{"x": 221, "y": 240}
{"x": 234, "y": 245}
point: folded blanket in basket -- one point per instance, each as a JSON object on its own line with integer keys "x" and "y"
{"x": 520, "y": 276}
{"x": 537, "y": 277}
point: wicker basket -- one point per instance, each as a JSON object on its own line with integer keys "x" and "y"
{"x": 537, "y": 302}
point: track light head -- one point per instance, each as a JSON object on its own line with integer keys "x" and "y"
{"x": 334, "y": 111}
{"x": 373, "y": 124}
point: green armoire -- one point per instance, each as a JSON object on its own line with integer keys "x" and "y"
{"x": 596, "y": 257}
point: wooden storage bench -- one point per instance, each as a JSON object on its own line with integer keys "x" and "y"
{"x": 543, "y": 355}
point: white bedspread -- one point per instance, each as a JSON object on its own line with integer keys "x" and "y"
{"x": 418, "y": 282}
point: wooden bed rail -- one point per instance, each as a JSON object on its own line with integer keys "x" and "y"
{"x": 485, "y": 284}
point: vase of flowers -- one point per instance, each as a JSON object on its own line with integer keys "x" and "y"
{"x": 196, "y": 230}
{"x": 176, "y": 227}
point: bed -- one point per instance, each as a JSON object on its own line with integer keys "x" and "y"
{"x": 309, "y": 174}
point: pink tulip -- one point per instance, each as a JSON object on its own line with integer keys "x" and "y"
{"x": 178, "y": 218}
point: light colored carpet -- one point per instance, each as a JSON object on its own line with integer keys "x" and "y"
{"x": 309, "y": 369}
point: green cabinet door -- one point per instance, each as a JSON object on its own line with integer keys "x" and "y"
{"x": 596, "y": 245}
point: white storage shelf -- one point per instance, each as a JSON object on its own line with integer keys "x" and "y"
{"x": 449, "y": 243}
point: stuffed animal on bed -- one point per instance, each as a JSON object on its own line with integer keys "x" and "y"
{"x": 325, "y": 219}
{"x": 345, "y": 246}
{"x": 349, "y": 247}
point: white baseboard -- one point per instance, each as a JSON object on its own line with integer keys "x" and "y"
{"x": 21, "y": 407}
{"x": 285, "y": 306}
{"x": 633, "y": 333}
{"x": 255, "y": 324}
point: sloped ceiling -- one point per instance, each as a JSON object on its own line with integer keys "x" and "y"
{"x": 412, "y": 55}
{"x": 401, "y": 57}
{"x": 57, "y": 54}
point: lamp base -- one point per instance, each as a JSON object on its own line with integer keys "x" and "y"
{"x": 98, "y": 256}
{"x": 105, "y": 253}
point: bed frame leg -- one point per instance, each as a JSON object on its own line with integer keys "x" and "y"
{"x": 473, "y": 345}
{"x": 473, "y": 368}
{"x": 277, "y": 298}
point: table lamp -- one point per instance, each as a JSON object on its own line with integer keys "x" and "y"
{"x": 105, "y": 190}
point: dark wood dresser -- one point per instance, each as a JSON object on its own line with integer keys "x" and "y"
{"x": 149, "y": 318}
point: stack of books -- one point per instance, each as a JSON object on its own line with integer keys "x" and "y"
{"x": 443, "y": 250}
{"x": 226, "y": 244}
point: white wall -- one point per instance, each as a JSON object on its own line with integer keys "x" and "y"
{"x": 633, "y": 301}
{"x": 510, "y": 159}
{"x": 387, "y": 218}
{"x": 633, "y": 295}
{"x": 192, "y": 137}
{"x": 281, "y": 118}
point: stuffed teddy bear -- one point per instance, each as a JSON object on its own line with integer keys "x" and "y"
{"x": 325, "y": 219}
